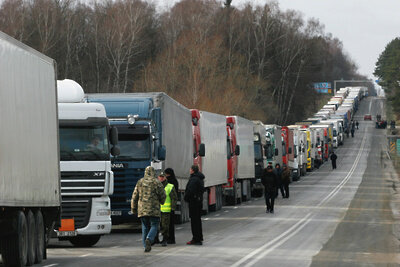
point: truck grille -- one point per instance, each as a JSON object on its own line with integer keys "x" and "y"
{"x": 78, "y": 209}
{"x": 124, "y": 183}
{"x": 82, "y": 183}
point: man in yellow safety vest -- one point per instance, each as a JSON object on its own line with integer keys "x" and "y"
{"x": 166, "y": 208}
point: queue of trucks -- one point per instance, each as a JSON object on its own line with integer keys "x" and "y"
{"x": 95, "y": 147}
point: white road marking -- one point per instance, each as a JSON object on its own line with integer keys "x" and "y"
{"x": 179, "y": 228}
{"x": 276, "y": 239}
{"x": 206, "y": 219}
{"x": 119, "y": 246}
{"x": 86, "y": 255}
{"x": 50, "y": 265}
{"x": 216, "y": 215}
{"x": 282, "y": 238}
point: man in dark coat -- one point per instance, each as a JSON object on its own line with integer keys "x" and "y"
{"x": 352, "y": 132}
{"x": 333, "y": 159}
{"x": 194, "y": 196}
{"x": 169, "y": 172}
{"x": 269, "y": 180}
{"x": 357, "y": 124}
{"x": 286, "y": 174}
{"x": 279, "y": 185}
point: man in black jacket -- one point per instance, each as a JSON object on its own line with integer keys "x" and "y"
{"x": 194, "y": 196}
{"x": 269, "y": 180}
{"x": 333, "y": 159}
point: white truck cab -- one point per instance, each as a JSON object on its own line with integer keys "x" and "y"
{"x": 86, "y": 176}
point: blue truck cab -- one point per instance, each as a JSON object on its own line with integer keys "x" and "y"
{"x": 140, "y": 140}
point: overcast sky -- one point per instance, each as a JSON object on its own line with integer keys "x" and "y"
{"x": 364, "y": 26}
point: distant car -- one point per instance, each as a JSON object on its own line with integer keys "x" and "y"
{"x": 368, "y": 117}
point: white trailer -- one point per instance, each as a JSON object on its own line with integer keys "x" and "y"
{"x": 29, "y": 157}
{"x": 214, "y": 165}
{"x": 245, "y": 164}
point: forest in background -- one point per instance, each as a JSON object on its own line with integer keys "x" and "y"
{"x": 388, "y": 72}
{"x": 257, "y": 61}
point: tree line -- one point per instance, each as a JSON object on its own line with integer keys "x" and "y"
{"x": 388, "y": 72}
{"x": 255, "y": 61}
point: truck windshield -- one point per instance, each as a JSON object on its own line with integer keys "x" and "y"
{"x": 84, "y": 143}
{"x": 134, "y": 146}
{"x": 257, "y": 151}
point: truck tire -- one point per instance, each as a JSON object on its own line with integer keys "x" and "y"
{"x": 40, "y": 237}
{"x": 84, "y": 241}
{"x": 15, "y": 248}
{"x": 30, "y": 220}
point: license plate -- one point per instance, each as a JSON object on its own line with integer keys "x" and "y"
{"x": 116, "y": 213}
{"x": 66, "y": 233}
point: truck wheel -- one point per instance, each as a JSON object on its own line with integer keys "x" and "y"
{"x": 15, "y": 248}
{"x": 40, "y": 237}
{"x": 30, "y": 219}
{"x": 84, "y": 240}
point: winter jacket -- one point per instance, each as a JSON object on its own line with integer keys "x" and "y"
{"x": 333, "y": 157}
{"x": 286, "y": 176}
{"x": 278, "y": 173}
{"x": 269, "y": 180}
{"x": 148, "y": 195}
{"x": 195, "y": 188}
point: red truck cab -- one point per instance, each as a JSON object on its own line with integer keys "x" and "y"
{"x": 233, "y": 151}
{"x": 198, "y": 147}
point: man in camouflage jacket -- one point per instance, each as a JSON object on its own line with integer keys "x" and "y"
{"x": 147, "y": 197}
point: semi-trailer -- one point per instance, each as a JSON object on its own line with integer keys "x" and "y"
{"x": 210, "y": 144}
{"x": 29, "y": 153}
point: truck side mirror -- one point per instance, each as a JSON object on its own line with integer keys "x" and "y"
{"x": 114, "y": 136}
{"x": 237, "y": 150}
{"x": 290, "y": 150}
{"x": 202, "y": 150}
{"x": 276, "y": 152}
{"x": 162, "y": 153}
{"x": 115, "y": 151}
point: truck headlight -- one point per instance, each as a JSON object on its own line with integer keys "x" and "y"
{"x": 131, "y": 119}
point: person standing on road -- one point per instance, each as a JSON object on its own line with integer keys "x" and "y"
{"x": 194, "y": 196}
{"x": 286, "y": 174}
{"x": 357, "y": 125}
{"x": 347, "y": 132}
{"x": 147, "y": 197}
{"x": 170, "y": 174}
{"x": 269, "y": 180}
{"x": 352, "y": 132}
{"x": 279, "y": 185}
{"x": 333, "y": 159}
{"x": 166, "y": 208}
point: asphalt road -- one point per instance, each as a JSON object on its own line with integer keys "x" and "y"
{"x": 346, "y": 217}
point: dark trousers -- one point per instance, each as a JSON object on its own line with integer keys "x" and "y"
{"x": 171, "y": 237}
{"x": 333, "y": 164}
{"x": 269, "y": 200}
{"x": 280, "y": 188}
{"x": 195, "y": 221}
{"x": 286, "y": 189}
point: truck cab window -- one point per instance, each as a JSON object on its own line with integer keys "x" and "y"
{"x": 134, "y": 146}
{"x": 84, "y": 143}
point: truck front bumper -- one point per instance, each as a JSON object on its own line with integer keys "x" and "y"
{"x": 100, "y": 218}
